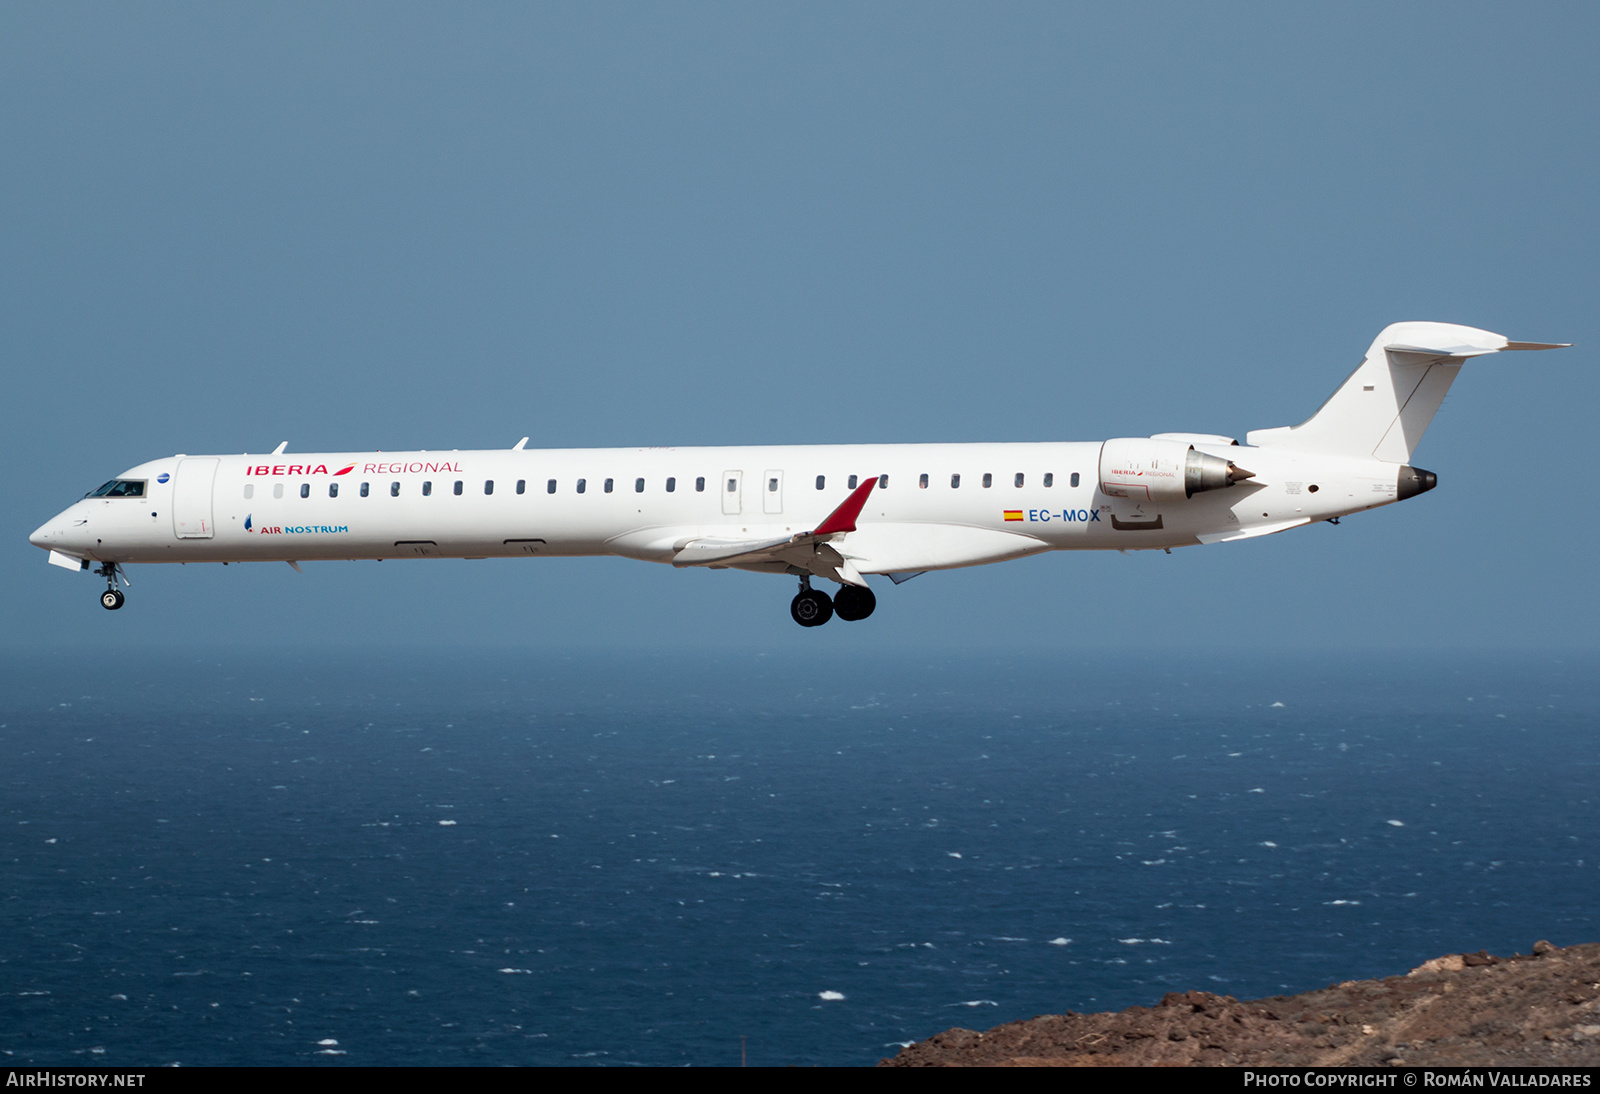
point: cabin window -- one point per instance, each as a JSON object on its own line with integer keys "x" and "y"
{"x": 700, "y": 484}
{"x": 427, "y": 489}
{"x": 821, "y": 482}
{"x": 458, "y": 488}
{"x": 522, "y": 486}
{"x": 955, "y": 482}
{"x": 638, "y": 486}
{"x": 583, "y": 484}
{"x": 333, "y": 490}
{"x": 733, "y": 486}
{"x": 988, "y": 480}
{"x": 249, "y": 490}
{"x": 672, "y": 484}
{"x": 277, "y": 490}
{"x": 366, "y": 489}
{"x": 609, "y": 483}
{"x": 922, "y": 481}
{"x": 772, "y": 486}
{"x": 550, "y": 487}
{"x": 394, "y": 490}
{"x": 851, "y": 482}
{"x": 305, "y": 490}
{"x": 1049, "y": 478}
{"x": 1019, "y": 480}
{"x": 1074, "y": 478}
{"x": 883, "y": 482}
{"x": 488, "y": 486}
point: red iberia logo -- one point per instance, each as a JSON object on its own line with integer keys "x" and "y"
{"x": 1013, "y": 514}
{"x": 280, "y": 469}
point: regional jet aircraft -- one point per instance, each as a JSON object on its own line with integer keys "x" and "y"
{"x": 835, "y": 512}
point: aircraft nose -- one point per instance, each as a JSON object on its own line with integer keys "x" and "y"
{"x": 54, "y": 533}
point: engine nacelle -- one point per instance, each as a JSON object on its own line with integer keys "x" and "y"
{"x": 1150, "y": 469}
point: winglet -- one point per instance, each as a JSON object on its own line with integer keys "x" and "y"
{"x": 843, "y": 519}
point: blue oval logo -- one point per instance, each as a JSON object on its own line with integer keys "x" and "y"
{"x": 163, "y": 477}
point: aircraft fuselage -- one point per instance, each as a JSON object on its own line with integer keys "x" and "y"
{"x": 839, "y": 512}
{"x": 931, "y": 509}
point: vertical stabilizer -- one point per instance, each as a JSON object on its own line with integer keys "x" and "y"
{"x": 1382, "y": 410}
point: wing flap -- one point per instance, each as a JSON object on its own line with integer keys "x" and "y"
{"x": 723, "y": 552}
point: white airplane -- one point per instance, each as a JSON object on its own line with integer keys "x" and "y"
{"x": 838, "y": 512}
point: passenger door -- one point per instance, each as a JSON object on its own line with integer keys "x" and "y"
{"x": 191, "y": 498}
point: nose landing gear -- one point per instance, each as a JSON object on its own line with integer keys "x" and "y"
{"x": 112, "y": 598}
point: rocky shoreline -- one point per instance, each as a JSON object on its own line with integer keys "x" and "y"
{"x": 1540, "y": 1009}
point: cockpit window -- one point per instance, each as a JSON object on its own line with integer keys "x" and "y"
{"x": 119, "y": 488}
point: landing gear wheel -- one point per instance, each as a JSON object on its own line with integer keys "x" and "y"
{"x": 854, "y": 602}
{"x": 111, "y": 599}
{"x": 811, "y": 608}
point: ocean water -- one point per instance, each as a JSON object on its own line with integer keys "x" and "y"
{"x": 518, "y": 858}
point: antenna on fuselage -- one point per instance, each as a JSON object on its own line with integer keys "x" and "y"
{"x": 518, "y": 446}
{"x": 281, "y": 446}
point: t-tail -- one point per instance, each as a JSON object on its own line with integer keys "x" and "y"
{"x": 1381, "y": 411}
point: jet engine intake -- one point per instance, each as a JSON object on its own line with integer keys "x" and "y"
{"x": 1149, "y": 469}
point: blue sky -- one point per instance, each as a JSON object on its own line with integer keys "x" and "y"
{"x": 390, "y": 226}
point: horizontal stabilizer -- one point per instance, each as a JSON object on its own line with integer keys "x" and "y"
{"x": 1452, "y": 345}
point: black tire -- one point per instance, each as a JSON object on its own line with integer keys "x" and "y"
{"x": 111, "y": 599}
{"x": 853, "y": 602}
{"x": 811, "y": 608}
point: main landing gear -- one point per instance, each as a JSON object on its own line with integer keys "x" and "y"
{"x": 853, "y": 602}
{"x": 112, "y": 598}
{"x": 812, "y": 608}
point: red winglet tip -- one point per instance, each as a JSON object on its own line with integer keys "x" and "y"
{"x": 843, "y": 519}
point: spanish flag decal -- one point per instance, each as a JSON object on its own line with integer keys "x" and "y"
{"x": 1013, "y": 514}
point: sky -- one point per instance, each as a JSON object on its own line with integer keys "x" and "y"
{"x": 393, "y": 226}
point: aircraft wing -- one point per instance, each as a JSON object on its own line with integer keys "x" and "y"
{"x": 811, "y": 551}
{"x": 724, "y": 552}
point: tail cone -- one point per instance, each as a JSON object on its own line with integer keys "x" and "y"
{"x": 1412, "y": 481}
